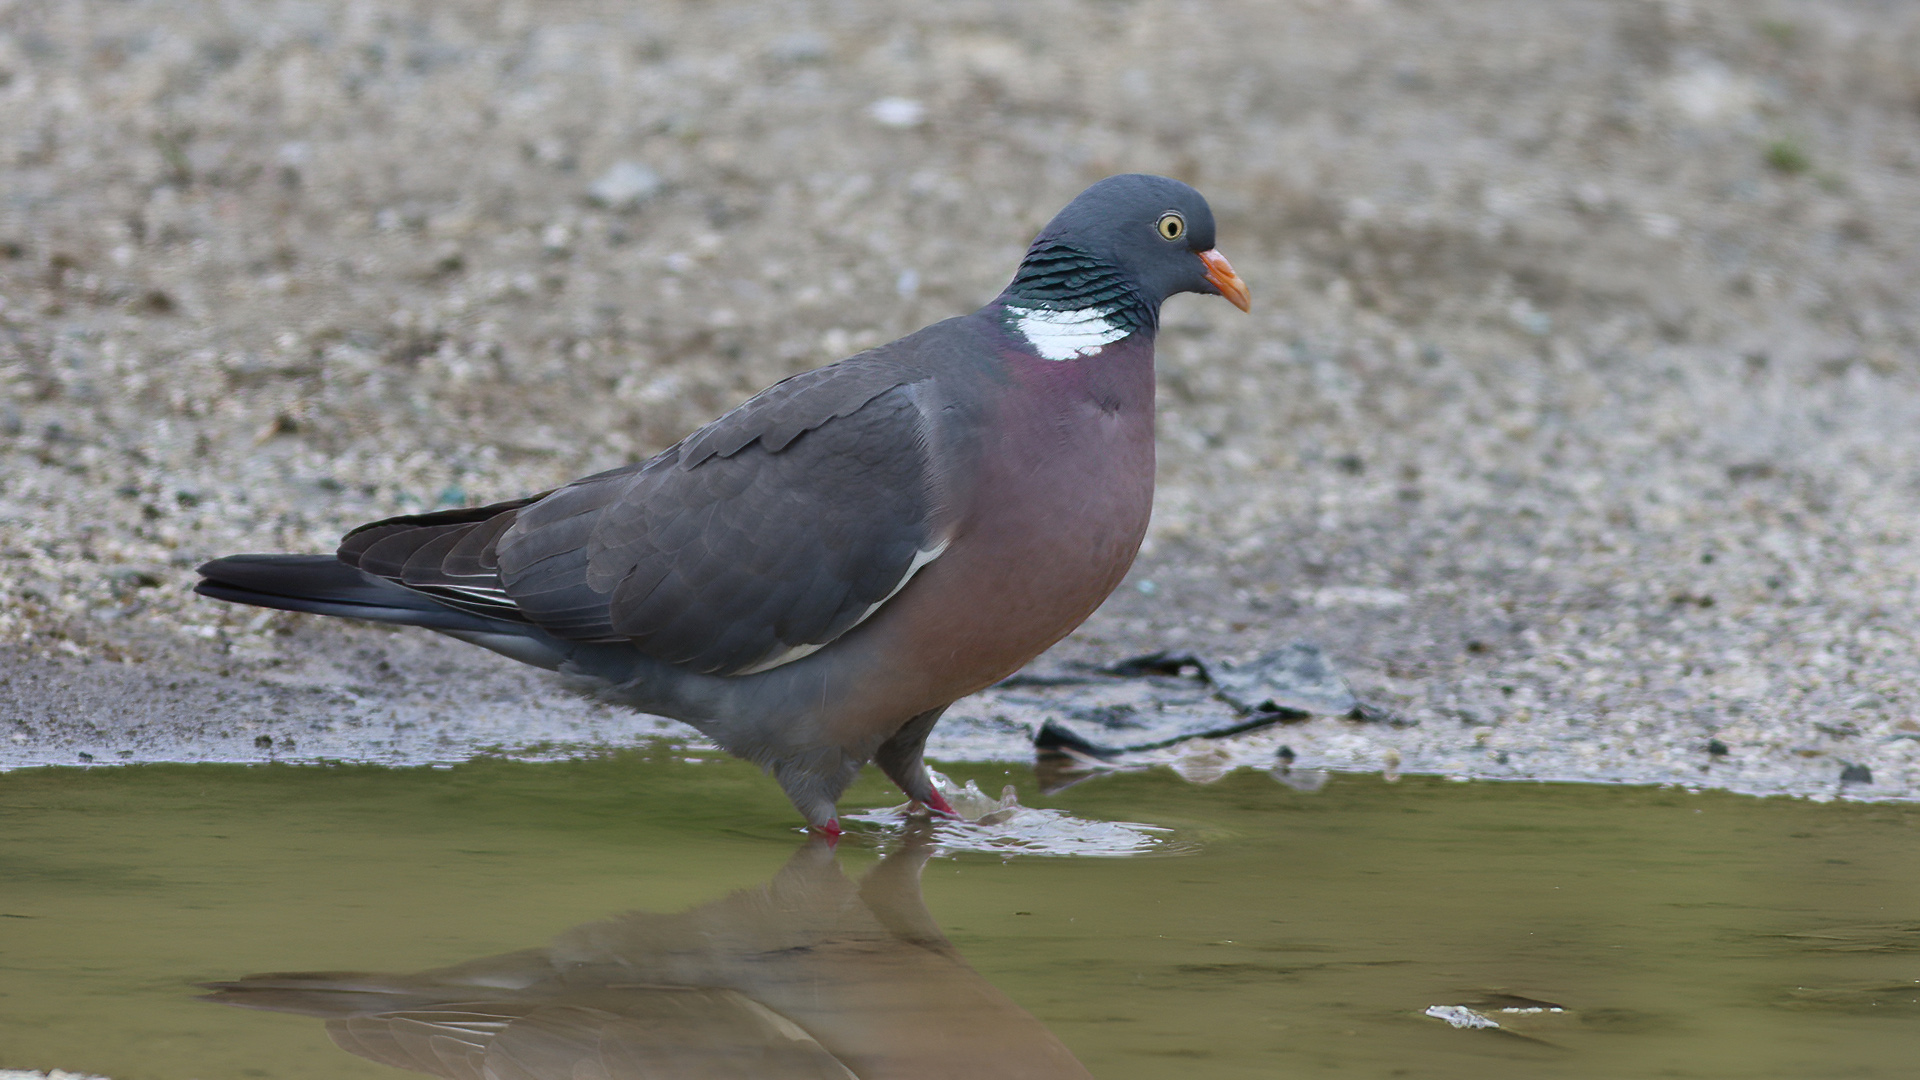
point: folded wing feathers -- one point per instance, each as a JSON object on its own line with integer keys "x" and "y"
{"x": 472, "y": 556}
{"x": 781, "y": 413}
{"x": 790, "y": 521}
{"x": 795, "y": 652}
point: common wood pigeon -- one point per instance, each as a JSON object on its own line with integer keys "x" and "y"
{"x": 811, "y": 579}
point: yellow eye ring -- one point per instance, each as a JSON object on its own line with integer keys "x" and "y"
{"x": 1172, "y": 226}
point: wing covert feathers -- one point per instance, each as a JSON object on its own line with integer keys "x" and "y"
{"x": 760, "y": 538}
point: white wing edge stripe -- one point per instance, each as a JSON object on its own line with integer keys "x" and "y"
{"x": 786, "y": 656}
{"x": 478, "y": 591}
{"x": 798, "y": 652}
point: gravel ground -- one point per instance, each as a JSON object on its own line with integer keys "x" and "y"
{"x": 1576, "y": 419}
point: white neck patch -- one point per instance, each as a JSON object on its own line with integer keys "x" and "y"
{"x": 1064, "y": 335}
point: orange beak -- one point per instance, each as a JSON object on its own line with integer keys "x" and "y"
{"x": 1221, "y": 276}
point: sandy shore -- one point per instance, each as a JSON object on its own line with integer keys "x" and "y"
{"x": 1576, "y": 418}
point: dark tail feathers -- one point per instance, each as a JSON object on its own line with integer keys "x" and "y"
{"x": 324, "y": 585}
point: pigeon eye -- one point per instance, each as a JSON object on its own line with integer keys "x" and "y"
{"x": 1172, "y": 226}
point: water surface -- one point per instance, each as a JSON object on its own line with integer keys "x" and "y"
{"x": 1637, "y": 931}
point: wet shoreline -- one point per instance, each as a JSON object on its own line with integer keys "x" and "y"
{"x": 1572, "y": 422}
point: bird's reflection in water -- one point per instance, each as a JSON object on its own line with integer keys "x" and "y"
{"x": 809, "y": 975}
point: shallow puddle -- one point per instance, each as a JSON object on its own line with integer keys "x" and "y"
{"x": 641, "y": 907}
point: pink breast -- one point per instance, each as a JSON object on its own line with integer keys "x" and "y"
{"x": 1056, "y": 516}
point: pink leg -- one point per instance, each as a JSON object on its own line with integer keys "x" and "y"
{"x": 938, "y": 802}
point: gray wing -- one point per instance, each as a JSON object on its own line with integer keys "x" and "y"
{"x": 643, "y": 1031}
{"x": 573, "y": 1025}
{"x": 760, "y": 538}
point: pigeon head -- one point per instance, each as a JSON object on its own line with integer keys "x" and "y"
{"x": 1121, "y": 248}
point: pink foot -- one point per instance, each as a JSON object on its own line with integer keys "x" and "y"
{"x": 938, "y": 802}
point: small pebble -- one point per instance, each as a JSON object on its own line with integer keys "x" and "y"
{"x": 625, "y": 186}
{"x": 897, "y": 112}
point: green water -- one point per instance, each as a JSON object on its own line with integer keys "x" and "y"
{"x": 1684, "y": 935}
